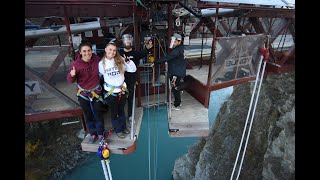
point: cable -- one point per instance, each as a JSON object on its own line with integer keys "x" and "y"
{"x": 254, "y": 110}
{"x": 158, "y": 110}
{"x": 147, "y": 102}
{"x": 263, "y": 58}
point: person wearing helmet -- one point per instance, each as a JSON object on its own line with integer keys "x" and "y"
{"x": 177, "y": 65}
{"x": 131, "y": 77}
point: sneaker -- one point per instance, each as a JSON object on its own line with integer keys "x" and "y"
{"x": 121, "y": 135}
{"x": 175, "y": 108}
{"x": 130, "y": 121}
{"x": 100, "y": 137}
{"x": 92, "y": 139}
{"x": 126, "y": 131}
{"x": 172, "y": 104}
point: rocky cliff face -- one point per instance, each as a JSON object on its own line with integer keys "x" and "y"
{"x": 270, "y": 151}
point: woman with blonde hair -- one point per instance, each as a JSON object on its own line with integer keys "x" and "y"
{"x": 112, "y": 67}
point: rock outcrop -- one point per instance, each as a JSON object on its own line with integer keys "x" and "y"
{"x": 270, "y": 152}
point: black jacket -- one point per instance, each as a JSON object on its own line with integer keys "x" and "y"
{"x": 134, "y": 55}
{"x": 177, "y": 63}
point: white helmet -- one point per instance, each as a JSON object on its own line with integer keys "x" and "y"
{"x": 174, "y": 37}
{"x": 127, "y": 40}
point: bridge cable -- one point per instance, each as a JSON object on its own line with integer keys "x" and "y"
{"x": 263, "y": 58}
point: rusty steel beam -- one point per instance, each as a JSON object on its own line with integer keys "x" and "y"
{"x": 224, "y": 25}
{"x": 79, "y": 2}
{"x": 212, "y": 26}
{"x": 213, "y": 53}
{"x": 44, "y": 48}
{"x": 63, "y": 51}
{"x": 77, "y": 112}
{"x": 257, "y": 25}
{"x": 286, "y": 55}
{"x": 195, "y": 29}
{"x": 231, "y": 83}
{"x": 292, "y": 30}
{"x": 80, "y": 8}
{"x": 275, "y": 13}
{"x": 199, "y": 91}
{"x": 67, "y": 21}
{"x": 280, "y": 29}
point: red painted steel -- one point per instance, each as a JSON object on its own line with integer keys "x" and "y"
{"x": 77, "y": 112}
{"x": 79, "y": 8}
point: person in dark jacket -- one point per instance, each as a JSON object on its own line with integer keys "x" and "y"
{"x": 84, "y": 71}
{"x": 131, "y": 77}
{"x": 177, "y": 65}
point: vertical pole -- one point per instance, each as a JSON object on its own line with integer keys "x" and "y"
{"x": 169, "y": 25}
{"x": 59, "y": 40}
{"x": 71, "y": 49}
{"x": 212, "y": 56}
{"x": 213, "y": 47}
{"x": 133, "y": 114}
{"x": 136, "y": 46}
{"x": 201, "y": 46}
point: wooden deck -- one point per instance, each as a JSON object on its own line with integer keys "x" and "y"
{"x": 199, "y": 74}
{"x": 190, "y": 121}
{"x": 115, "y": 144}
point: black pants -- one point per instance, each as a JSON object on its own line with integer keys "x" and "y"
{"x": 130, "y": 79}
{"x": 116, "y": 107}
{"x": 94, "y": 119}
{"x": 176, "y": 93}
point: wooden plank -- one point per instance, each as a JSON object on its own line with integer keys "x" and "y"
{"x": 191, "y": 120}
{"x": 199, "y": 74}
{"x": 115, "y": 144}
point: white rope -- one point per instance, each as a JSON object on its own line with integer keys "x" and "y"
{"x": 248, "y": 114}
{"x": 147, "y": 103}
{"x": 109, "y": 170}
{"x": 254, "y": 110}
{"x": 104, "y": 169}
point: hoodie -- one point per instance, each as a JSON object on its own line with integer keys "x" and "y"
{"x": 87, "y": 73}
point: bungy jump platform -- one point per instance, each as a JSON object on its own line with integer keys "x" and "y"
{"x": 190, "y": 121}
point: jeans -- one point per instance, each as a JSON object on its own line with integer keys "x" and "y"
{"x": 94, "y": 119}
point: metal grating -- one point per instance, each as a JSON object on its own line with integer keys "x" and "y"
{"x": 237, "y": 57}
{"x": 256, "y": 2}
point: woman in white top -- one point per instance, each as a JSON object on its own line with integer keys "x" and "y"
{"x": 112, "y": 67}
